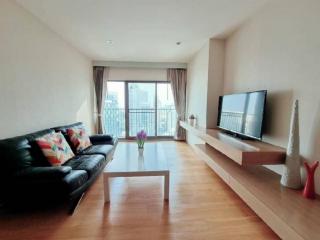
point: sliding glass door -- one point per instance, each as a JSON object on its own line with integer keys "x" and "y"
{"x": 133, "y": 106}
{"x": 142, "y": 108}
{"x": 115, "y": 107}
{"x": 166, "y": 113}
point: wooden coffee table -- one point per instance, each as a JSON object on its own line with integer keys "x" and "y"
{"x": 128, "y": 163}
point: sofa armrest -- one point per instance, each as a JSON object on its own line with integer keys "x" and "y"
{"x": 102, "y": 139}
{"x": 43, "y": 172}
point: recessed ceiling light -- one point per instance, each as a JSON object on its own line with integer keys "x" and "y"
{"x": 109, "y": 42}
{"x": 178, "y": 43}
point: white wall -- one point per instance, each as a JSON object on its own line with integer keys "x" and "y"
{"x": 279, "y": 50}
{"x": 197, "y": 84}
{"x": 215, "y": 80}
{"x": 139, "y": 74}
{"x": 205, "y": 84}
{"x": 196, "y": 89}
{"x": 43, "y": 81}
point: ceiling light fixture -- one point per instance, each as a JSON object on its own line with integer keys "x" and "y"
{"x": 109, "y": 42}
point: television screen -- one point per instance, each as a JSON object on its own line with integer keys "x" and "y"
{"x": 243, "y": 113}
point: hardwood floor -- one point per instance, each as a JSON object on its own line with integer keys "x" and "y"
{"x": 201, "y": 206}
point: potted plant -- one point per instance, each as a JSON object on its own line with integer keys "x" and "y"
{"x": 141, "y": 138}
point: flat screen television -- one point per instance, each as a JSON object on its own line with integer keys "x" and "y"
{"x": 242, "y": 113}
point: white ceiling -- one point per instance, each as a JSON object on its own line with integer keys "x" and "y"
{"x": 141, "y": 30}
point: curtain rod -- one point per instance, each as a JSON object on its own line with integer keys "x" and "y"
{"x": 159, "y": 65}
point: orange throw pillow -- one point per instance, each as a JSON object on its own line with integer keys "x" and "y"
{"x": 79, "y": 138}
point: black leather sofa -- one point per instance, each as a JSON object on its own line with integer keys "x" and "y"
{"x": 27, "y": 179}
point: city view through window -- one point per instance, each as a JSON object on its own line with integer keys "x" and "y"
{"x": 134, "y": 106}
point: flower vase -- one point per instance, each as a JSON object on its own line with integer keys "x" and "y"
{"x": 140, "y": 150}
{"x": 308, "y": 191}
{"x": 141, "y": 138}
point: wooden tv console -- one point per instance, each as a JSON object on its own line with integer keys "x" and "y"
{"x": 284, "y": 210}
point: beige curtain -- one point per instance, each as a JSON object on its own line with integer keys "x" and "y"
{"x": 100, "y": 77}
{"x": 178, "y": 80}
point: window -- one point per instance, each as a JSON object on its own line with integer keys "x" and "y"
{"x": 166, "y": 113}
{"x": 114, "y": 114}
{"x": 133, "y": 106}
{"x": 142, "y": 108}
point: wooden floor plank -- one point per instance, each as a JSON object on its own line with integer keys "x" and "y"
{"x": 201, "y": 206}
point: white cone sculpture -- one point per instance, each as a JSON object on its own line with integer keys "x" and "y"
{"x": 291, "y": 176}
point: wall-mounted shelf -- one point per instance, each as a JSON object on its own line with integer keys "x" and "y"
{"x": 284, "y": 210}
{"x": 243, "y": 152}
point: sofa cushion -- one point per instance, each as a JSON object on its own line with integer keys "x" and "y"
{"x": 39, "y": 158}
{"x": 15, "y": 154}
{"x": 75, "y": 179}
{"x": 21, "y": 152}
{"x": 90, "y": 163}
{"x": 63, "y": 146}
{"x": 55, "y": 148}
{"x": 98, "y": 149}
{"x": 79, "y": 138}
{"x": 101, "y": 139}
{"x": 43, "y": 189}
{"x": 63, "y": 130}
{"x": 41, "y": 173}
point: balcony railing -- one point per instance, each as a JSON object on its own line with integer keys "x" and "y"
{"x": 114, "y": 121}
{"x": 156, "y": 122}
{"x": 232, "y": 120}
{"x": 237, "y": 121}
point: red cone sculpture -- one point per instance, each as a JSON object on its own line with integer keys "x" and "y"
{"x": 308, "y": 191}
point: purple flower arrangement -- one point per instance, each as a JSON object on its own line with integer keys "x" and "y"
{"x": 141, "y": 138}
